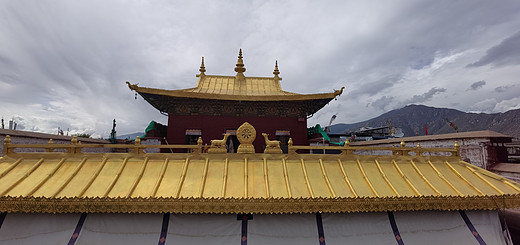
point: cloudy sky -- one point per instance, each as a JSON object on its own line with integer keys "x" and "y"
{"x": 64, "y": 63}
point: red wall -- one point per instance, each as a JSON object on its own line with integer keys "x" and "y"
{"x": 213, "y": 127}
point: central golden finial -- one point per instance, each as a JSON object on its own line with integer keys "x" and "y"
{"x": 276, "y": 72}
{"x": 202, "y": 68}
{"x": 240, "y": 64}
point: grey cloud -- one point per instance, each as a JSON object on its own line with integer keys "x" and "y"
{"x": 382, "y": 102}
{"x": 505, "y": 53}
{"x": 502, "y": 89}
{"x": 476, "y": 85}
{"x": 426, "y": 96}
{"x": 377, "y": 86}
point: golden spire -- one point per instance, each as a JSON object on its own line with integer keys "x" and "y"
{"x": 276, "y": 72}
{"x": 240, "y": 64}
{"x": 202, "y": 68}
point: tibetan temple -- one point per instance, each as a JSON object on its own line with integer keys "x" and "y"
{"x": 254, "y": 194}
{"x": 220, "y": 104}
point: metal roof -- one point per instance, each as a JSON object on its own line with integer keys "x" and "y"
{"x": 138, "y": 182}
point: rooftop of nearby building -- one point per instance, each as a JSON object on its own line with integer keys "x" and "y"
{"x": 37, "y": 135}
{"x": 450, "y": 136}
{"x": 208, "y": 180}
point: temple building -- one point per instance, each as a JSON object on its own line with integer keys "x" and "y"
{"x": 220, "y": 104}
{"x": 256, "y": 193}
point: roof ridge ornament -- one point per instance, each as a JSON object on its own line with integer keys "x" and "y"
{"x": 240, "y": 69}
{"x": 276, "y": 72}
{"x": 202, "y": 68}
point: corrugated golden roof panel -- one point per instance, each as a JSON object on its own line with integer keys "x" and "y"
{"x": 227, "y": 85}
{"x": 254, "y": 178}
{"x": 249, "y": 183}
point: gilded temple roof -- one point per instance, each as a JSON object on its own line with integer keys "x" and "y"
{"x": 199, "y": 182}
{"x": 238, "y": 87}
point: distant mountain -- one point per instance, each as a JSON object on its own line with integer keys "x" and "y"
{"x": 412, "y": 118}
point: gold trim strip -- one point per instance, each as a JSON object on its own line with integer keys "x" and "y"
{"x": 386, "y": 179}
{"x": 138, "y": 179}
{"x": 26, "y": 174}
{"x": 204, "y": 176}
{"x": 415, "y": 191}
{"x": 93, "y": 177}
{"x": 253, "y": 206}
{"x": 224, "y": 178}
{"x": 74, "y": 172}
{"x": 306, "y": 178}
{"x": 324, "y": 174}
{"x": 266, "y": 180}
{"x": 245, "y": 178}
{"x": 183, "y": 175}
{"x": 485, "y": 180}
{"x": 444, "y": 179}
{"x": 286, "y": 177}
{"x": 116, "y": 178}
{"x": 463, "y": 179}
{"x": 425, "y": 179}
{"x": 161, "y": 176}
{"x": 346, "y": 179}
{"x": 53, "y": 171}
{"x": 8, "y": 169}
{"x": 366, "y": 178}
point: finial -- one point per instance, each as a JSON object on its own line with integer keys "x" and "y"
{"x": 7, "y": 139}
{"x": 418, "y": 145}
{"x": 276, "y": 72}
{"x": 202, "y": 68}
{"x": 74, "y": 140}
{"x": 240, "y": 64}
{"x": 51, "y": 142}
{"x": 402, "y": 143}
{"x": 137, "y": 140}
{"x": 347, "y": 143}
{"x": 338, "y": 92}
{"x": 290, "y": 143}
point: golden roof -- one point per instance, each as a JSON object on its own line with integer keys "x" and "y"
{"x": 238, "y": 87}
{"x": 197, "y": 182}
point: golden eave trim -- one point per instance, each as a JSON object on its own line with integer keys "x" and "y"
{"x": 182, "y": 93}
{"x": 254, "y": 206}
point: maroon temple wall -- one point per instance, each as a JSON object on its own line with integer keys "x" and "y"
{"x": 213, "y": 127}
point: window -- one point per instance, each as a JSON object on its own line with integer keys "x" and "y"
{"x": 232, "y": 141}
{"x": 192, "y": 135}
{"x": 283, "y": 136}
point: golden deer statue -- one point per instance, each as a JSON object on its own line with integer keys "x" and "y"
{"x": 219, "y": 146}
{"x": 271, "y": 146}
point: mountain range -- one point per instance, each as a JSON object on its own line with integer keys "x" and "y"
{"x": 412, "y": 119}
